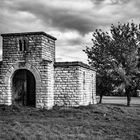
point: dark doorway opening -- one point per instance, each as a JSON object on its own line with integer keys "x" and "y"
{"x": 23, "y": 88}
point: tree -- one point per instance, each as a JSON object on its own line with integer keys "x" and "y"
{"x": 115, "y": 56}
{"x": 104, "y": 85}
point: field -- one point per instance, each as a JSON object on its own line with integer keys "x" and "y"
{"x": 112, "y": 120}
{"x": 135, "y": 101}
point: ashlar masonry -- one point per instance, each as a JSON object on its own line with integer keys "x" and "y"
{"x": 30, "y": 76}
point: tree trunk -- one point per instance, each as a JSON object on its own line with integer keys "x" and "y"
{"x": 128, "y": 91}
{"x": 128, "y": 99}
{"x": 101, "y": 96}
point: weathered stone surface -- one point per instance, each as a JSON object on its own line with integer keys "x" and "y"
{"x": 34, "y": 59}
{"x": 69, "y": 87}
{"x": 60, "y": 83}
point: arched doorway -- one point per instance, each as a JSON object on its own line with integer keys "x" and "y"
{"x": 23, "y": 88}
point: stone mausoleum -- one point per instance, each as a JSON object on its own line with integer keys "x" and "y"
{"x": 30, "y": 76}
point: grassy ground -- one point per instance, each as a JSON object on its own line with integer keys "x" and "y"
{"x": 112, "y": 121}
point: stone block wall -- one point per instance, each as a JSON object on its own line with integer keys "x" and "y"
{"x": 44, "y": 96}
{"x": 48, "y": 48}
{"x": 33, "y": 59}
{"x": 68, "y": 89}
{"x": 87, "y": 80}
{"x": 56, "y": 83}
{"x": 4, "y": 96}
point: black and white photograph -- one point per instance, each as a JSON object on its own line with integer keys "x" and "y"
{"x": 69, "y": 69}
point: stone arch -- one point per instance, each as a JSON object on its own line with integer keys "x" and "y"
{"x": 23, "y": 88}
{"x": 21, "y": 65}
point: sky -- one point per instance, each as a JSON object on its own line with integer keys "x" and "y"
{"x": 72, "y": 22}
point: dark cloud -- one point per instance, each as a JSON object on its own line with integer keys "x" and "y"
{"x": 75, "y": 42}
{"x": 97, "y": 1}
{"x": 62, "y": 19}
{"x": 76, "y": 16}
{"x": 110, "y": 2}
{"x": 71, "y": 42}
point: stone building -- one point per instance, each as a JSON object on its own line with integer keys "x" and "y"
{"x": 29, "y": 75}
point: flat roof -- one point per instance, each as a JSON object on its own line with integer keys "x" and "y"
{"x": 74, "y": 63}
{"x": 28, "y": 33}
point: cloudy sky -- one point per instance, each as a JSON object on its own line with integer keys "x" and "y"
{"x": 70, "y": 21}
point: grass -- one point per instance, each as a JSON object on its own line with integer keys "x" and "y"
{"x": 95, "y": 122}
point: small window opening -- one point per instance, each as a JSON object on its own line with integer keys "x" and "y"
{"x": 20, "y": 45}
{"x": 84, "y": 80}
{"x": 24, "y": 45}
